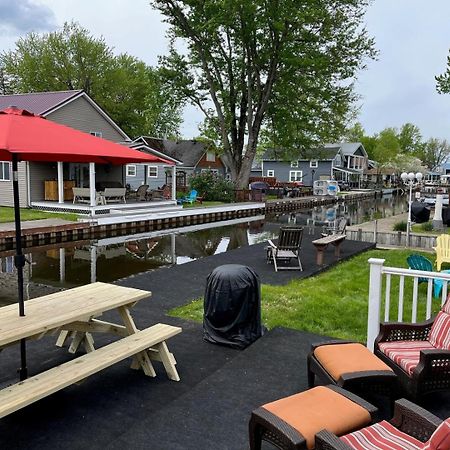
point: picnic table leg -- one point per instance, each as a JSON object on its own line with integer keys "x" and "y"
{"x": 76, "y": 341}
{"x": 168, "y": 361}
{"x": 337, "y": 249}
{"x": 131, "y": 327}
{"x": 62, "y": 338}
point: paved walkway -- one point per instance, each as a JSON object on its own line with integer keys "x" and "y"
{"x": 28, "y": 224}
{"x": 383, "y": 225}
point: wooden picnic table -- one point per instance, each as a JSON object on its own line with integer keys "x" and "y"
{"x": 74, "y": 315}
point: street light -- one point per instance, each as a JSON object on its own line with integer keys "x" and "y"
{"x": 411, "y": 180}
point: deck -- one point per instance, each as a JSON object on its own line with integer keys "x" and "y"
{"x": 210, "y": 407}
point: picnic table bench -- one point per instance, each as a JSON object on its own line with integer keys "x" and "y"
{"x": 322, "y": 243}
{"x": 74, "y": 315}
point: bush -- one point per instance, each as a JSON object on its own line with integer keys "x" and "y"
{"x": 400, "y": 226}
{"x": 212, "y": 187}
{"x": 427, "y": 226}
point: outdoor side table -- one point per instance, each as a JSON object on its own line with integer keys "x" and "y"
{"x": 291, "y": 423}
{"x": 351, "y": 366}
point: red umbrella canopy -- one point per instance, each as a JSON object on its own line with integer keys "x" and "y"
{"x": 34, "y": 138}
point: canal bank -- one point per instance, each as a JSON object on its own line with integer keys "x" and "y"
{"x": 56, "y": 232}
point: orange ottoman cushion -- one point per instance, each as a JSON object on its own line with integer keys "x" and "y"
{"x": 338, "y": 359}
{"x": 319, "y": 408}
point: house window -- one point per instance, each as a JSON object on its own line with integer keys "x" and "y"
{"x": 153, "y": 171}
{"x": 213, "y": 171}
{"x": 271, "y": 173}
{"x": 5, "y": 171}
{"x": 294, "y": 164}
{"x": 313, "y": 163}
{"x": 131, "y": 170}
{"x": 295, "y": 175}
{"x": 96, "y": 133}
{"x": 210, "y": 157}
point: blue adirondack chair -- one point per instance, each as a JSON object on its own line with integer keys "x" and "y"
{"x": 419, "y": 262}
{"x": 191, "y": 198}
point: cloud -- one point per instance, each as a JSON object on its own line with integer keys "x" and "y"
{"x": 18, "y": 17}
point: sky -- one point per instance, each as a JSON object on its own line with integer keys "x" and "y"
{"x": 412, "y": 37}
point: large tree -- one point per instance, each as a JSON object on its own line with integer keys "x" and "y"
{"x": 284, "y": 67}
{"x": 133, "y": 93}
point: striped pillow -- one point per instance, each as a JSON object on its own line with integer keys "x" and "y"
{"x": 440, "y": 331}
{"x": 406, "y": 354}
{"x": 440, "y": 439}
{"x": 381, "y": 436}
{"x": 446, "y": 305}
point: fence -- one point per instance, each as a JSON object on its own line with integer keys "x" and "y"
{"x": 403, "y": 281}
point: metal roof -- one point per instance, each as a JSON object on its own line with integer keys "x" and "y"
{"x": 38, "y": 102}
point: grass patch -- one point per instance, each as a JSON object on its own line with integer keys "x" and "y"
{"x": 205, "y": 204}
{"x": 333, "y": 303}
{"x": 7, "y": 215}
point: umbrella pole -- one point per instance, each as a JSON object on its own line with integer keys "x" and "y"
{"x": 19, "y": 261}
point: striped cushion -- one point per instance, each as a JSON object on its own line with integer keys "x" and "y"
{"x": 381, "y": 436}
{"x": 446, "y": 305}
{"x": 440, "y": 439}
{"x": 440, "y": 331}
{"x": 405, "y": 354}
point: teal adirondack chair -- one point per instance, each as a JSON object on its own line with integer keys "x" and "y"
{"x": 419, "y": 262}
{"x": 191, "y": 198}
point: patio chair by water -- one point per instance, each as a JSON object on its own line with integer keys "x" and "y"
{"x": 191, "y": 198}
{"x": 419, "y": 353}
{"x": 289, "y": 245}
{"x": 412, "y": 428}
{"x": 338, "y": 226}
{"x": 419, "y": 262}
{"x": 141, "y": 193}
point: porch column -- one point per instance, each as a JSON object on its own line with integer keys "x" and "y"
{"x": 92, "y": 183}
{"x": 174, "y": 182}
{"x": 60, "y": 183}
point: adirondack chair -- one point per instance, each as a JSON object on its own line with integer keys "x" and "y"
{"x": 419, "y": 262}
{"x": 442, "y": 250}
{"x": 191, "y": 198}
{"x": 338, "y": 226}
{"x": 289, "y": 244}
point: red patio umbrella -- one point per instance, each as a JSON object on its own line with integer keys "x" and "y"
{"x": 25, "y": 136}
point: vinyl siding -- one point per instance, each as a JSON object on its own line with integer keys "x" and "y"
{"x": 281, "y": 170}
{"x": 139, "y": 179}
{"x": 38, "y": 173}
{"x": 6, "y": 189}
{"x": 81, "y": 115}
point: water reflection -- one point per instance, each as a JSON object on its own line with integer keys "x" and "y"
{"x": 76, "y": 263}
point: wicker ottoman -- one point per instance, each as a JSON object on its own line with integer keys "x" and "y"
{"x": 353, "y": 367}
{"x": 291, "y": 423}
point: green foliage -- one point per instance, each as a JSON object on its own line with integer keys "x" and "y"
{"x": 132, "y": 93}
{"x": 400, "y": 226}
{"x": 213, "y": 187}
{"x": 427, "y": 226}
{"x": 333, "y": 303}
{"x": 266, "y": 65}
{"x": 443, "y": 81}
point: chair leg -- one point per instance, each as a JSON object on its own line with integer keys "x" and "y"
{"x": 274, "y": 261}
{"x": 255, "y": 435}
{"x": 300, "y": 263}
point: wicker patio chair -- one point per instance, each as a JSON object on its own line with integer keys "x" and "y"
{"x": 289, "y": 245}
{"x": 411, "y": 426}
{"x": 419, "y": 353}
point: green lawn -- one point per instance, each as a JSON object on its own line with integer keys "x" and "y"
{"x": 7, "y": 215}
{"x": 333, "y": 303}
{"x": 202, "y": 205}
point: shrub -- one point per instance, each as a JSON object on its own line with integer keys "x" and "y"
{"x": 400, "y": 226}
{"x": 213, "y": 187}
{"x": 427, "y": 226}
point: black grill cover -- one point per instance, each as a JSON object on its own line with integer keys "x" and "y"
{"x": 420, "y": 212}
{"x": 232, "y": 306}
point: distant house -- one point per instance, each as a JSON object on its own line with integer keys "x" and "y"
{"x": 72, "y": 108}
{"x": 191, "y": 157}
{"x": 343, "y": 162}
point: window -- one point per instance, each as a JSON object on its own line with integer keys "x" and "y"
{"x": 213, "y": 171}
{"x": 295, "y": 175}
{"x": 131, "y": 170}
{"x": 210, "y": 156}
{"x": 294, "y": 164}
{"x": 153, "y": 171}
{"x": 5, "y": 171}
{"x": 271, "y": 173}
{"x": 313, "y": 163}
{"x": 96, "y": 133}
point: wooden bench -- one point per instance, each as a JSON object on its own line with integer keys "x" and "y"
{"x": 83, "y": 195}
{"x": 322, "y": 243}
{"x": 151, "y": 339}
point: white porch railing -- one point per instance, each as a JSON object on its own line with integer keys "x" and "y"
{"x": 394, "y": 291}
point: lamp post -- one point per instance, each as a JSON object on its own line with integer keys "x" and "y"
{"x": 411, "y": 180}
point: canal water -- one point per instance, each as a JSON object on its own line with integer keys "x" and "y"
{"x": 54, "y": 267}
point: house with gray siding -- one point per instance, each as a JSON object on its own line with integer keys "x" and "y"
{"x": 343, "y": 162}
{"x": 71, "y": 108}
{"x": 191, "y": 156}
